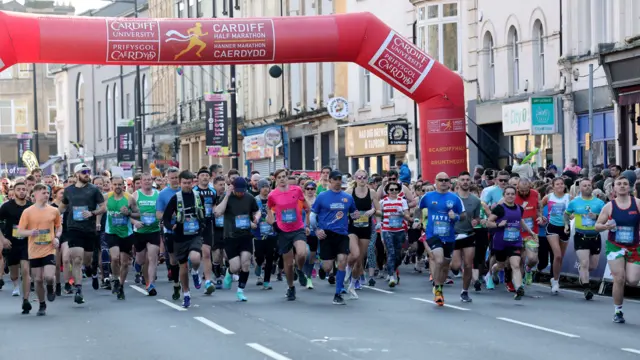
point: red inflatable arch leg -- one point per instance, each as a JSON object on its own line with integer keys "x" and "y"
{"x": 361, "y": 38}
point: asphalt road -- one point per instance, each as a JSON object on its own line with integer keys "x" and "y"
{"x": 383, "y": 324}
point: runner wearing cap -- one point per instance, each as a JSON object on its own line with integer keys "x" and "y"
{"x": 266, "y": 241}
{"x": 286, "y": 204}
{"x": 86, "y": 205}
{"x": 241, "y": 215}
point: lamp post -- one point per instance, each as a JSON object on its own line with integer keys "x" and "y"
{"x": 35, "y": 114}
{"x": 233, "y": 95}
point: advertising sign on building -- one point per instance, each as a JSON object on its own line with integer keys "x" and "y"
{"x": 256, "y": 148}
{"x": 25, "y": 143}
{"x": 516, "y": 118}
{"x": 398, "y": 134}
{"x": 126, "y": 150}
{"x": 217, "y": 127}
{"x": 543, "y": 115}
{"x": 370, "y": 140}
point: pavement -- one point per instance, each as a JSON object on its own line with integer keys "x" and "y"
{"x": 384, "y": 324}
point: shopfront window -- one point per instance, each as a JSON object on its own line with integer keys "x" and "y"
{"x": 604, "y": 142}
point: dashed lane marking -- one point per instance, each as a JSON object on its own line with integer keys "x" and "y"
{"x": 538, "y": 327}
{"x": 266, "y": 351}
{"x": 446, "y": 305}
{"x": 171, "y": 305}
{"x": 139, "y": 289}
{"x": 214, "y": 326}
{"x": 376, "y": 289}
{"x": 634, "y": 351}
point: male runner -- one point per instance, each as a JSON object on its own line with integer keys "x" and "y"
{"x": 42, "y": 224}
{"x": 17, "y": 251}
{"x": 444, "y": 209}
{"x": 286, "y": 204}
{"x": 218, "y": 232}
{"x": 209, "y": 194}
{"x": 529, "y": 200}
{"x": 161, "y": 204}
{"x": 330, "y": 222}
{"x": 586, "y": 241}
{"x": 188, "y": 210}
{"x": 621, "y": 217}
{"x": 266, "y": 241}
{"x": 241, "y": 215}
{"x": 466, "y": 244}
{"x": 119, "y": 233}
{"x": 86, "y": 204}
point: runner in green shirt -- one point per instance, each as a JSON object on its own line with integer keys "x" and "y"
{"x": 119, "y": 231}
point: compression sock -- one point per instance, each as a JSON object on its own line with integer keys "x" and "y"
{"x": 340, "y": 275}
{"x": 242, "y": 281}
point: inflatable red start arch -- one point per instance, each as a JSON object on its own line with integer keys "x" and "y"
{"x": 361, "y": 38}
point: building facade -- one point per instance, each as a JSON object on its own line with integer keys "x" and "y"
{"x": 19, "y": 108}
{"x": 513, "y": 83}
{"x": 603, "y": 34}
{"x": 93, "y": 100}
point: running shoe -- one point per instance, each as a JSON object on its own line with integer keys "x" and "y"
{"x": 438, "y": 298}
{"x": 477, "y": 285}
{"x": 309, "y": 284}
{"x": 267, "y": 286}
{"x": 42, "y": 311}
{"x": 338, "y": 300}
{"x": 372, "y": 282}
{"x": 218, "y": 284}
{"x": 209, "y": 288}
{"x": 392, "y": 281}
{"x": 51, "y": 295}
{"x": 58, "y": 289}
{"x": 196, "y": 279}
{"x": 302, "y": 278}
{"x": 291, "y": 293}
{"x": 618, "y": 317}
{"x": 176, "y": 293}
{"x": 78, "y": 299}
{"x": 26, "y": 307}
{"x": 228, "y": 281}
{"x": 490, "y": 285}
{"x": 1, "y": 283}
{"x": 322, "y": 274}
{"x": 116, "y": 286}
{"x": 332, "y": 279}
{"x": 240, "y": 296}
{"x": 519, "y": 293}
{"x": 121, "y": 293}
{"x": 151, "y": 289}
{"x": 95, "y": 283}
{"x": 352, "y": 293}
{"x": 138, "y": 278}
{"x": 16, "y": 291}
{"x": 555, "y": 286}
{"x": 186, "y": 302}
{"x": 358, "y": 284}
{"x": 67, "y": 289}
{"x": 510, "y": 287}
{"x": 588, "y": 294}
{"x": 464, "y": 297}
{"x": 260, "y": 281}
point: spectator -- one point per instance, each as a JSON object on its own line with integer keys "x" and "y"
{"x": 404, "y": 172}
{"x": 523, "y": 170}
{"x": 573, "y": 166}
{"x": 553, "y": 170}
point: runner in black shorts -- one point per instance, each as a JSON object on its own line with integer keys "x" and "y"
{"x": 265, "y": 240}
{"x": 310, "y": 190}
{"x": 218, "y": 233}
{"x": 465, "y": 230}
{"x": 209, "y": 195}
{"x": 367, "y": 204}
{"x": 86, "y": 204}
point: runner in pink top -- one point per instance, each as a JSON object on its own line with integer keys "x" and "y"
{"x": 285, "y": 205}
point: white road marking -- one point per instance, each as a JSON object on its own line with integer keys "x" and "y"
{"x": 376, "y": 289}
{"x": 214, "y": 326}
{"x": 139, "y": 289}
{"x": 538, "y": 327}
{"x": 631, "y": 350}
{"x": 266, "y": 351}
{"x": 579, "y": 292}
{"x": 446, "y": 305}
{"x": 172, "y": 305}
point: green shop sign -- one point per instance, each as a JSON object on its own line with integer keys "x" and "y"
{"x": 543, "y": 115}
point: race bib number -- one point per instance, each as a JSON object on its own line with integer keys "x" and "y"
{"x": 265, "y": 228}
{"x": 361, "y": 222}
{"x": 511, "y": 234}
{"x": 191, "y": 226}
{"x": 219, "y": 221}
{"x": 624, "y": 234}
{"x": 77, "y": 212}
{"x": 529, "y": 222}
{"x": 242, "y": 222}
{"x": 441, "y": 228}
{"x": 148, "y": 218}
{"x": 587, "y": 221}
{"x": 289, "y": 216}
{"x": 395, "y": 221}
{"x": 208, "y": 210}
{"x": 43, "y": 238}
{"x": 557, "y": 209}
{"x": 14, "y": 233}
{"x": 118, "y": 220}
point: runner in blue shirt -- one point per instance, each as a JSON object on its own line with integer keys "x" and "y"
{"x": 330, "y": 222}
{"x": 444, "y": 209}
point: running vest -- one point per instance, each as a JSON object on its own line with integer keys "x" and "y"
{"x": 557, "y": 206}
{"x": 147, "y": 206}
{"x": 362, "y": 205}
{"x": 117, "y": 224}
{"x": 199, "y": 212}
{"x": 508, "y": 236}
{"x": 627, "y": 220}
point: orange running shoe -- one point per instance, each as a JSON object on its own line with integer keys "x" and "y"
{"x": 439, "y": 298}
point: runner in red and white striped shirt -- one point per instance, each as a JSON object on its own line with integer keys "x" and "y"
{"x": 395, "y": 212}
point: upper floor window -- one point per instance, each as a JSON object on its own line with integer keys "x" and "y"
{"x": 52, "y": 113}
{"x": 488, "y": 50}
{"x": 13, "y": 117}
{"x": 514, "y": 60}
{"x": 24, "y": 71}
{"x": 438, "y": 32}
{"x": 180, "y": 9}
{"x": 365, "y": 88}
{"x": 538, "y": 54}
{"x": 199, "y": 12}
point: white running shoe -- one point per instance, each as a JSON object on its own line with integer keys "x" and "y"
{"x": 555, "y": 287}
{"x": 352, "y": 293}
{"x": 16, "y": 291}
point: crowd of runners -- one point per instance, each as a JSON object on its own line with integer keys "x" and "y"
{"x": 210, "y": 228}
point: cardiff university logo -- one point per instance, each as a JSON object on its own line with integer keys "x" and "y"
{"x": 193, "y": 37}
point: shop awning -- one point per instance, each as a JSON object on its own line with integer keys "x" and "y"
{"x": 622, "y": 68}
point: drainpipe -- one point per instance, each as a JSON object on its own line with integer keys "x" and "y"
{"x": 416, "y": 135}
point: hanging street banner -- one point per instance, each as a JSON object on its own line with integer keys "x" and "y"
{"x": 25, "y": 143}
{"x": 217, "y": 126}
{"x": 126, "y": 149}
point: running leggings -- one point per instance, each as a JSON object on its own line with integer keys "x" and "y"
{"x": 393, "y": 240}
{"x": 265, "y": 251}
{"x": 371, "y": 250}
{"x": 482, "y": 242}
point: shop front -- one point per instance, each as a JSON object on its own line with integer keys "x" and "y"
{"x": 367, "y": 147}
{"x": 258, "y": 155}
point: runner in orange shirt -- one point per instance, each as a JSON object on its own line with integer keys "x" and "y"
{"x": 42, "y": 224}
